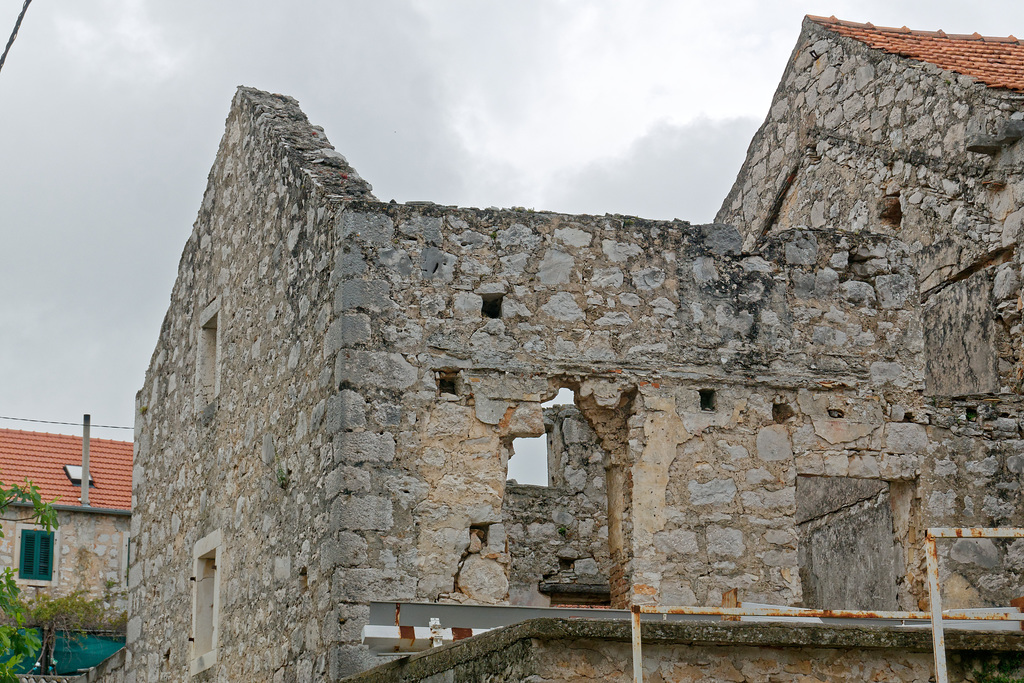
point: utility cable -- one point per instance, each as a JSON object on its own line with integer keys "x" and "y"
{"x": 53, "y": 422}
{"x": 14, "y": 33}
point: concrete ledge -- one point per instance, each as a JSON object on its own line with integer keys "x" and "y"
{"x": 510, "y": 638}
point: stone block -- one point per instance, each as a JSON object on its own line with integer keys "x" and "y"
{"x": 905, "y": 437}
{"x": 370, "y": 295}
{"x": 773, "y": 444}
{"x": 610, "y": 278}
{"x": 803, "y": 251}
{"x": 437, "y": 265}
{"x": 721, "y": 239}
{"x": 978, "y": 551}
{"x": 376, "y": 229}
{"x": 267, "y": 451}
{"x": 839, "y": 431}
{"x": 714, "y": 492}
{"x": 819, "y": 496}
{"x": 647, "y": 279}
{"x": 894, "y": 291}
{"x": 364, "y": 447}
{"x": 724, "y": 542}
{"x": 345, "y": 410}
{"x": 562, "y": 306}
{"x": 483, "y": 579}
{"x": 282, "y": 568}
{"x": 490, "y": 411}
{"x": 704, "y": 270}
{"x": 555, "y": 268}
{"x": 573, "y": 237}
{"x": 374, "y": 369}
{"x": 347, "y": 549}
{"x": 864, "y": 466}
{"x": 349, "y": 264}
{"x": 959, "y": 340}
{"x": 427, "y": 227}
{"x": 366, "y": 513}
{"x": 857, "y": 292}
{"x": 678, "y": 543}
{"x": 467, "y": 305}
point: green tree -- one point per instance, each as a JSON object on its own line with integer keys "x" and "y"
{"x": 14, "y": 639}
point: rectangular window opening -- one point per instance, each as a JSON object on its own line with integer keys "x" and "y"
{"x": 528, "y": 462}
{"x": 708, "y": 401}
{"x": 208, "y": 355}
{"x": 491, "y": 307}
{"x": 205, "y": 602}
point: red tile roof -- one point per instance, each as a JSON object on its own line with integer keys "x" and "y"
{"x": 996, "y": 62}
{"x": 40, "y": 458}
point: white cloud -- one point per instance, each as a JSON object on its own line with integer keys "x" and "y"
{"x": 117, "y": 40}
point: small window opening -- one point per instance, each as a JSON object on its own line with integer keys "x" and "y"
{"x": 708, "y": 400}
{"x": 565, "y": 565}
{"x": 528, "y": 463}
{"x": 781, "y": 412}
{"x": 835, "y": 413}
{"x": 491, "y": 307}
{"x": 972, "y": 413}
{"x": 891, "y": 213}
{"x": 530, "y": 459}
{"x": 303, "y": 579}
{"x": 208, "y": 356}
{"x": 448, "y": 382}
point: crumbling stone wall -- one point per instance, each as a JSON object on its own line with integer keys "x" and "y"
{"x": 860, "y": 141}
{"x": 338, "y": 382}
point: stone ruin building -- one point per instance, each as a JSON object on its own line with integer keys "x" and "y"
{"x": 779, "y": 402}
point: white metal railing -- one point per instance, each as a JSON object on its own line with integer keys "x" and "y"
{"x": 935, "y": 617}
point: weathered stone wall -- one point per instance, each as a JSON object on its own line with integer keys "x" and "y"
{"x": 89, "y": 554}
{"x": 338, "y": 382}
{"x": 860, "y": 141}
{"x": 254, "y": 462}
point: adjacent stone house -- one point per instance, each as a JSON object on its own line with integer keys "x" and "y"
{"x": 339, "y": 382}
{"x": 89, "y": 549}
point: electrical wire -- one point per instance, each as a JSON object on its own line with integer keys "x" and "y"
{"x": 54, "y": 422}
{"x": 14, "y": 33}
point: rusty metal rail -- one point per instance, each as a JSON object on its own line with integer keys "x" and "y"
{"x": 934, "y": 591}
{"x": 935, "y": 617}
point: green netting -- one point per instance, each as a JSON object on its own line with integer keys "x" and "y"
{"x": 73, "y": 653}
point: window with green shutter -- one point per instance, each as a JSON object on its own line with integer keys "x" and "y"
{"x": 36, "y": 555}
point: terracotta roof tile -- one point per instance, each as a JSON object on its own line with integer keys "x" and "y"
{"x": 996, "y": 62}
{"x": 40, "y": 458}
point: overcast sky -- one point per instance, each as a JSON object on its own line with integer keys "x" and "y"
{"x": 111, "y": 112}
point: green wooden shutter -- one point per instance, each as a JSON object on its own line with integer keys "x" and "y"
{"x": 27, "y": 569}
{"x": 36, "y": 555}
{"x": 44, "y": 564}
